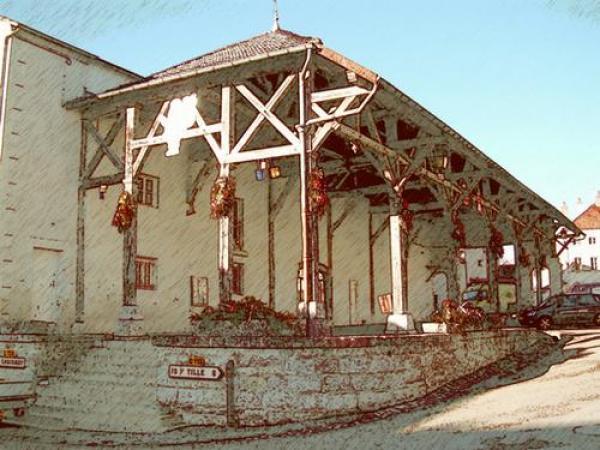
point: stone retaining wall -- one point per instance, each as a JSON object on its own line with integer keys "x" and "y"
{"x": 333, "y": 377}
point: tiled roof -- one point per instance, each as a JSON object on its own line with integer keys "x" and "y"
{"x": 589, "y": 219}
{"x": 259, "y": 45}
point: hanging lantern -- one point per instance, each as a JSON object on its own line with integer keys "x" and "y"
{"x": 102, "y": 191}
{"x": 274, "y": 172}
{"x": 438, "y": 161}
{"x": 261, "y": 170}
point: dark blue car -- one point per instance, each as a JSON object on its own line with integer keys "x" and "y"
{"x": 563, "y": 310}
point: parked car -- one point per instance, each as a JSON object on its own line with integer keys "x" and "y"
{"x": 563, "y": 310}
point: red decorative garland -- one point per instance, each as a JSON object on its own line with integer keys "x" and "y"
{"x": 123, "y": 217}
{"x": 222, "y": 197}
{"x": 458, "y": 233}
{"x": 496, "y": 242}
{"x": 524, "y": 257}
{"x": 318, "y": 191}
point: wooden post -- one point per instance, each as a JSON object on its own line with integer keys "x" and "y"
{"x": 80, "y": 262}
{"x": 225, "y": 258}
{"x": 518, "y": 274}
{"x": 493, "y": 277}
{"x": 130, "y": 234}
{"x": 396, "y": 263}
{"x": 271, "y": 242}
{"x": 371, "y": 266}
{"x": 538, "y": 271}
{"x": 330, "y": 233}
{"x": 400, "y": 319}
{"x": 310, "y": 242}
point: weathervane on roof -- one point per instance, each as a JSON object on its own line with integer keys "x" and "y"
{"x": 275, "y": 15}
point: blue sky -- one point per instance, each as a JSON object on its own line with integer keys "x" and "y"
{"x": 518, "y": 78}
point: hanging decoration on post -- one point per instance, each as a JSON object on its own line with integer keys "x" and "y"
{"x": 407, "y": 217}
{"x": 458, "y": 233}
{"x": 318, "y": 191}
{"x": 496, "y": 242}
{"x": 222, "y": 197}
{"x": 125, "y": 212}
{"x": 524, "y": 257}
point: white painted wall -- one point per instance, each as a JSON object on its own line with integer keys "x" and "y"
{"x": 39, "y": 169}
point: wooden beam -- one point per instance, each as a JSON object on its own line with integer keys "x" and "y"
{"x": 196, "y": 186}
{"x": 108, "y": 152}
{"x": 141, "y": 156}
{"x": 336, "y": 94}
{"x": 106, "y": 180}
{"x": 269, "y": 106}
{"x": 107, "y": 140}
{"x": 268, "y": 115}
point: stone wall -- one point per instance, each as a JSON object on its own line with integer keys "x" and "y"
{"x": 337, "y": 376}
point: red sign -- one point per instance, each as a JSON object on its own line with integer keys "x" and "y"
{"x": 12, "y": 363}
{"x": 211, "y": 373}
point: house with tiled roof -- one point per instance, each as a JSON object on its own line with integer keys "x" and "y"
{"x": 584, "y": 253}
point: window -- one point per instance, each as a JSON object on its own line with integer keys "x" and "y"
{"x": 237, "y": 278}
{"x": 577, "y": 262}
{"x": 198, "y": 291}
{"x": 145, "y": 273}
{"x": 592, "y": 240}
{"x": 238, "y": 224}
{"x": 587, "y": 300}
{"x": 148, "y": 190}
{"x": 594, "y": 263}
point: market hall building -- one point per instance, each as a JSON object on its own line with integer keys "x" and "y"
{"x": 274, "y": 167}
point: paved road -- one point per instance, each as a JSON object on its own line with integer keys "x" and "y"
{"x": 557, "y": 410}
{"x": 554, "y": 409}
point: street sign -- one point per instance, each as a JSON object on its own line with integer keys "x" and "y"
{"x": 210, "y": 373}
{"x": 12, "y": 363}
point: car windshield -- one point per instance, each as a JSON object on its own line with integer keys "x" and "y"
{"x": 548, "y": 302}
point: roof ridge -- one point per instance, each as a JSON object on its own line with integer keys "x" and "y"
{"x": 280, "y": 31}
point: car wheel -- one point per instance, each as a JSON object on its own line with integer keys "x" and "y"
{"x": 597, "y": 320}
{"x": 545, "y": 323}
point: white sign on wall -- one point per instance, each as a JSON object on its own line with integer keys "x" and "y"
{"x": 12, "y": 363}
{"x": 211, "y": 373}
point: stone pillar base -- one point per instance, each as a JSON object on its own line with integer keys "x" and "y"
{"x": 400, "y": 323}
{"x": 131, "y": 322}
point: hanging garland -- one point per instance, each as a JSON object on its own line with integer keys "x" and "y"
{"x": 123, "y": 217}
{"x": 458, "y": 233}
{"x": 524, "y": 257}
{"x": 318, "y": 191}
{"x": 496, "y": 242}
{"x": 407, "y": 217}
{"x": 222, "y": 197}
